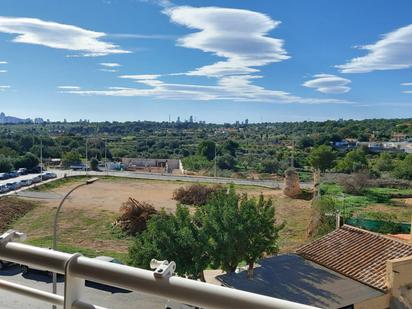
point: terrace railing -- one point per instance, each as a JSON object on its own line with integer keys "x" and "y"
{"x": 77, "y": 268}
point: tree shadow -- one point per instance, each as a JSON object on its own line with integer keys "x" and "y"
{"x": 293, "y": 278}
{"x": 105, "y": 287}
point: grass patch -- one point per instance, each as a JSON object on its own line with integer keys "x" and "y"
{"x": 11, "y": 209}
{"x": 88, "y": 231}
{"x": 46, "y": 242}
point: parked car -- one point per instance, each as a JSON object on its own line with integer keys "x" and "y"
{"x": 26, "y": 182}
{"x": 51, "y": 175}
{"x": 108, "y": 259}
{"x": 36, "y": 169}
{"x": 4, "y": 189}
{"x": 11, "y": 186}
{"x": 4, "y": 176}
{"x": 18, "y": 184}
{"x": 13, "y": 174}
{"x": 22, "y": 171}
{"x": 36, "y": 179}
{"x": 48, "y": 175}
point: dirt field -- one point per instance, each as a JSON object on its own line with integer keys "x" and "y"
{"x": 108, "y": 194}
{"x": 87, "y": 216}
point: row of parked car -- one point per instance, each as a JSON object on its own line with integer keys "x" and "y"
{"x": 12, "y": 186}
{"x": 14, "y": 174}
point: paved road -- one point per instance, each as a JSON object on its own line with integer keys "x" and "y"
{"x": 93, "y": 293}
{"x": 186, "y": 178}
{"x": 29, "y": 176}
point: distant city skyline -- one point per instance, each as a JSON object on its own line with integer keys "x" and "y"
{"x": 129, "y": 60}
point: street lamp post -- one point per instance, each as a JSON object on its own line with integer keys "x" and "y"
{"x": 56, "y": 218}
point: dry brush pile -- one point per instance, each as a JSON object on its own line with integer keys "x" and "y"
{"x": 196, "y": 195}
{"x": 134, "y": 216}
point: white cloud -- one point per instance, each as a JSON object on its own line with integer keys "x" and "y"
{"x": 232, "y": 88}
{"x": 3, "y": 62}
{"x": 392, "y": 52}
{"x": 141, "y": 77}
{"x": 109, "y": 70}
{"x": 56, "y": 35}
{"x": 407, "y": 84}
{"x": 141, "y": 36}
{"x": 240, "y": 36}
{"x": 4, "y": 88}
{"x": 328, "y": 83}
{"x": 69, "y": 87}
{"x": 3, "y": 71}
{"x": 110, "y": 64}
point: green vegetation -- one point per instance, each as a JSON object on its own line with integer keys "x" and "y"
{"x": 227, "y": 230}
{"x": 89, "y": 232}
{"x": 322, "y": 158}
{"x": 242, "y": 149}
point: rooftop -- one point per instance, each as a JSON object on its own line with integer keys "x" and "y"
{"x": 291, "y": 277}
{"x": 356, "y": 253}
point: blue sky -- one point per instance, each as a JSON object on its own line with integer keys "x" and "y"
{"x": 220, "y": 61}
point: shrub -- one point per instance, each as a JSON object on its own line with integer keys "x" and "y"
{"x": 196, "y": 194}
{"x": 355, "y": 183}
{"x": 323, "y": 218}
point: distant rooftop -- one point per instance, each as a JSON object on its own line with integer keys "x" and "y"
{"x": 356, "y": 253}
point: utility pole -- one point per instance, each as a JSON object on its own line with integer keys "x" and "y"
{"x": 105, "y": 157}
{"x": 215, "y": 160}
{"x": 41, "y": 159}
{"x": 86, "y": 159}
{"x": 292, "y": 159}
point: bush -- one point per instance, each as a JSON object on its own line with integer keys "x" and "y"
{"x": 94, "y": 164}
{"x": 323, "y": 220}
{"x": 355, "y": 183}
{"x": 28, "y": 161}
{"x": 134, "y": 216}
{"x": 196, "y": 194}
{"x": 226, "y": 162}
{"x": 196, "y": 163}
{"x": 403, "y": 169}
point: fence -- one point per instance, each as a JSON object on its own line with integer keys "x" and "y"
{"x": 379, "y": 225}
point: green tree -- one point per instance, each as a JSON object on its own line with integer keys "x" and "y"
{"x": 403, "y": 169}
{"x": 71, "y": 158}
{"x": 384, "y": 163}
{"x": 226, "y": 162}
{"x": 231, "y": 146}
{"x": 207, "y": 149}
{"x": 259, "y": 230}
{"x": 176, "y": 237}
{"x": 323, "y": 218}
{"x": 353, "y": 161}
{"x": 28, "y": 161}
{"x": 5, "y": 164}
{"x": 94, "y": 164}
{"x": 270, "y": 166}
{"x": 238, "y": 229}
{"x": 322, "y": 158}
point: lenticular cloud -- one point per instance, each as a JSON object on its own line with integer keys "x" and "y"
{"x": 55, "y": 35}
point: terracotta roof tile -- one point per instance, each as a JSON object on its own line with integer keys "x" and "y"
{"x": 356, "y": 253}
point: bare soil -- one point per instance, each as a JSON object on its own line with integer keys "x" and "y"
{"x": 87, "y": 215}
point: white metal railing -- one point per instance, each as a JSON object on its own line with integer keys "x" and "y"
{"x": 77, "y": 268}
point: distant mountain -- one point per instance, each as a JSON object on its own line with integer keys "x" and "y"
{"x": 10, "y": 119}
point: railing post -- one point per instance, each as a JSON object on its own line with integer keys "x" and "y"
{"x": 73, "y": 286}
